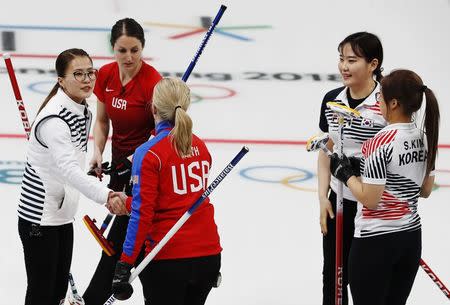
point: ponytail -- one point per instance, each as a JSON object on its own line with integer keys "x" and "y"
{"x": 182, "y": 132}
{"x": 49, "y": 97}
{"x": 408, "y": 88}
{"x": 378, "y": 73}
{"x": 172, "y": 97}
{"x": 432, "y": 118}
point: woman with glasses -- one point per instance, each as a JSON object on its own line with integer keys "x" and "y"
{"x": 53, "y": 178}
{"x": 360, "y": 59}
{"x": 398, "y": 169}
{"x": 124, "y": 91}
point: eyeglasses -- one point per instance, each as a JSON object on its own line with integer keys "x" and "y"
{"x": 81, "y": 76}
{"x": 378, "y": 97}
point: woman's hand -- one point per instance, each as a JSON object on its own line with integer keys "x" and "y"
{"x": 116, "y": 203}
{"x": 97, "y": 159}
{"x": 96, "y": 164}
{"x": 326, "y": 210}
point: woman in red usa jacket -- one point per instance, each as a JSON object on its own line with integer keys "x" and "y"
{"x": 124, "y": 91}
{"x": 169, "y": 174}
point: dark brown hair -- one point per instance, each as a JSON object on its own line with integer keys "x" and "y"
{"x": 62, "y": 63}
{"x": 367, "y": 46}
{"x": 128, "y": 27}
{"x": 407, "y": 88}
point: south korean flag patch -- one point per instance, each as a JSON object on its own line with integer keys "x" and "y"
{"x": 367, "y": 123}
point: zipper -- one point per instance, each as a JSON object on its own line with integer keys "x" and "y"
{"x": 62, "y": 201}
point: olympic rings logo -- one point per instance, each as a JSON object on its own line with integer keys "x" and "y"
{"x": 199, "y": 92}
{"x": 295, "y": 178}
{"x": 288, "y": 176}
{"x": 202, "y": 92}
{"x": 11, "y": 172}
{"x": 42, "y": 87}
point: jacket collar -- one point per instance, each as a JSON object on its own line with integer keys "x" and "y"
{"x": 369, "y": 101}
{"x": 163, "y": 125}
{"x": 406, "y": 126}
{"x": 67, "y": 102}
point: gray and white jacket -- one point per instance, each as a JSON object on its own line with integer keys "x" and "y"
{"x": 54, "y": 172}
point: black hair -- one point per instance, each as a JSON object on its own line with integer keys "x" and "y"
{"x": 128, "y": 27}
{"x": 368, "y": 46}
{"x": 62, "y": 63}
{"x": 407, "y": 88}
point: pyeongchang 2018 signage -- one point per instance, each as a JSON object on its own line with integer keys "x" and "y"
{"x": 218, "y": 76}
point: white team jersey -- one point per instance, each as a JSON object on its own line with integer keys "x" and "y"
{"x": 54, "y": 173}
{"x": 356, "y": 131}
{"x": 396, "y": 158}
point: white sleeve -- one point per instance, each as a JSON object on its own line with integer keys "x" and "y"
{"x": 56, "y": 135}
{"x": 375, "y": 165}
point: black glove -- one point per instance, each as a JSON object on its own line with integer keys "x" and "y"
{"x": 341, "y": 168}
{"x": 123, "y": 167}
{"x": 121, "y": 288}
{"x": 356, "y": 164}
{"x": 96, "y": 172}
{"x": 120, "y": 176}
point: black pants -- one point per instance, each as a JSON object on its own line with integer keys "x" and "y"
{"x": 99, "y": 289}
{"x": 180, "y": 281}
{"x": 382, "y": 269}
{"x": 329, "y": 250}
{"x": 48, "y": 256}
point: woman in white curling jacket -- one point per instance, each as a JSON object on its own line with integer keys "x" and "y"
{"x": 53, "y": 178}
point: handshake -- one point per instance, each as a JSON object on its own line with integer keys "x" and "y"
{"x": 117, "y": 203}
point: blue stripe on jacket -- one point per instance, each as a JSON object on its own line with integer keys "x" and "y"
{"x": 162, "y": 131}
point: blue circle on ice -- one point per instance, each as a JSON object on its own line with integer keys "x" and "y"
{"x": 43, "y": 87}
{"x": 249, "y": 173}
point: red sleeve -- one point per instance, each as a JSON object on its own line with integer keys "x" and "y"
{"x": 128, "y": 203}
{"x": 145, "y": 192}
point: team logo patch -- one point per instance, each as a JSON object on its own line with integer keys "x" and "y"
{"x": 367, "y": 122}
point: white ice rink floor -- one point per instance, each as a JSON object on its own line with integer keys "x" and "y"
{"x": 259, "y": 83}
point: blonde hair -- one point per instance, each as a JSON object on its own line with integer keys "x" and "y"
{"x": 172, "y": 97}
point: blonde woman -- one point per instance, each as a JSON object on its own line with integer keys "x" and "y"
{"x": 169, "y": 173}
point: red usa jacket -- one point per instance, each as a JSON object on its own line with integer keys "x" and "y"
{"x": 164, "y": 187}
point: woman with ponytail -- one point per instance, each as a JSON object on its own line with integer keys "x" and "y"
{"x": 124, "y": 92}
{"x": 55, "y": 176}
{"x": 398, "y": 169}
{"x": 169, "y": 173}
{"x": 360, "y": 60}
